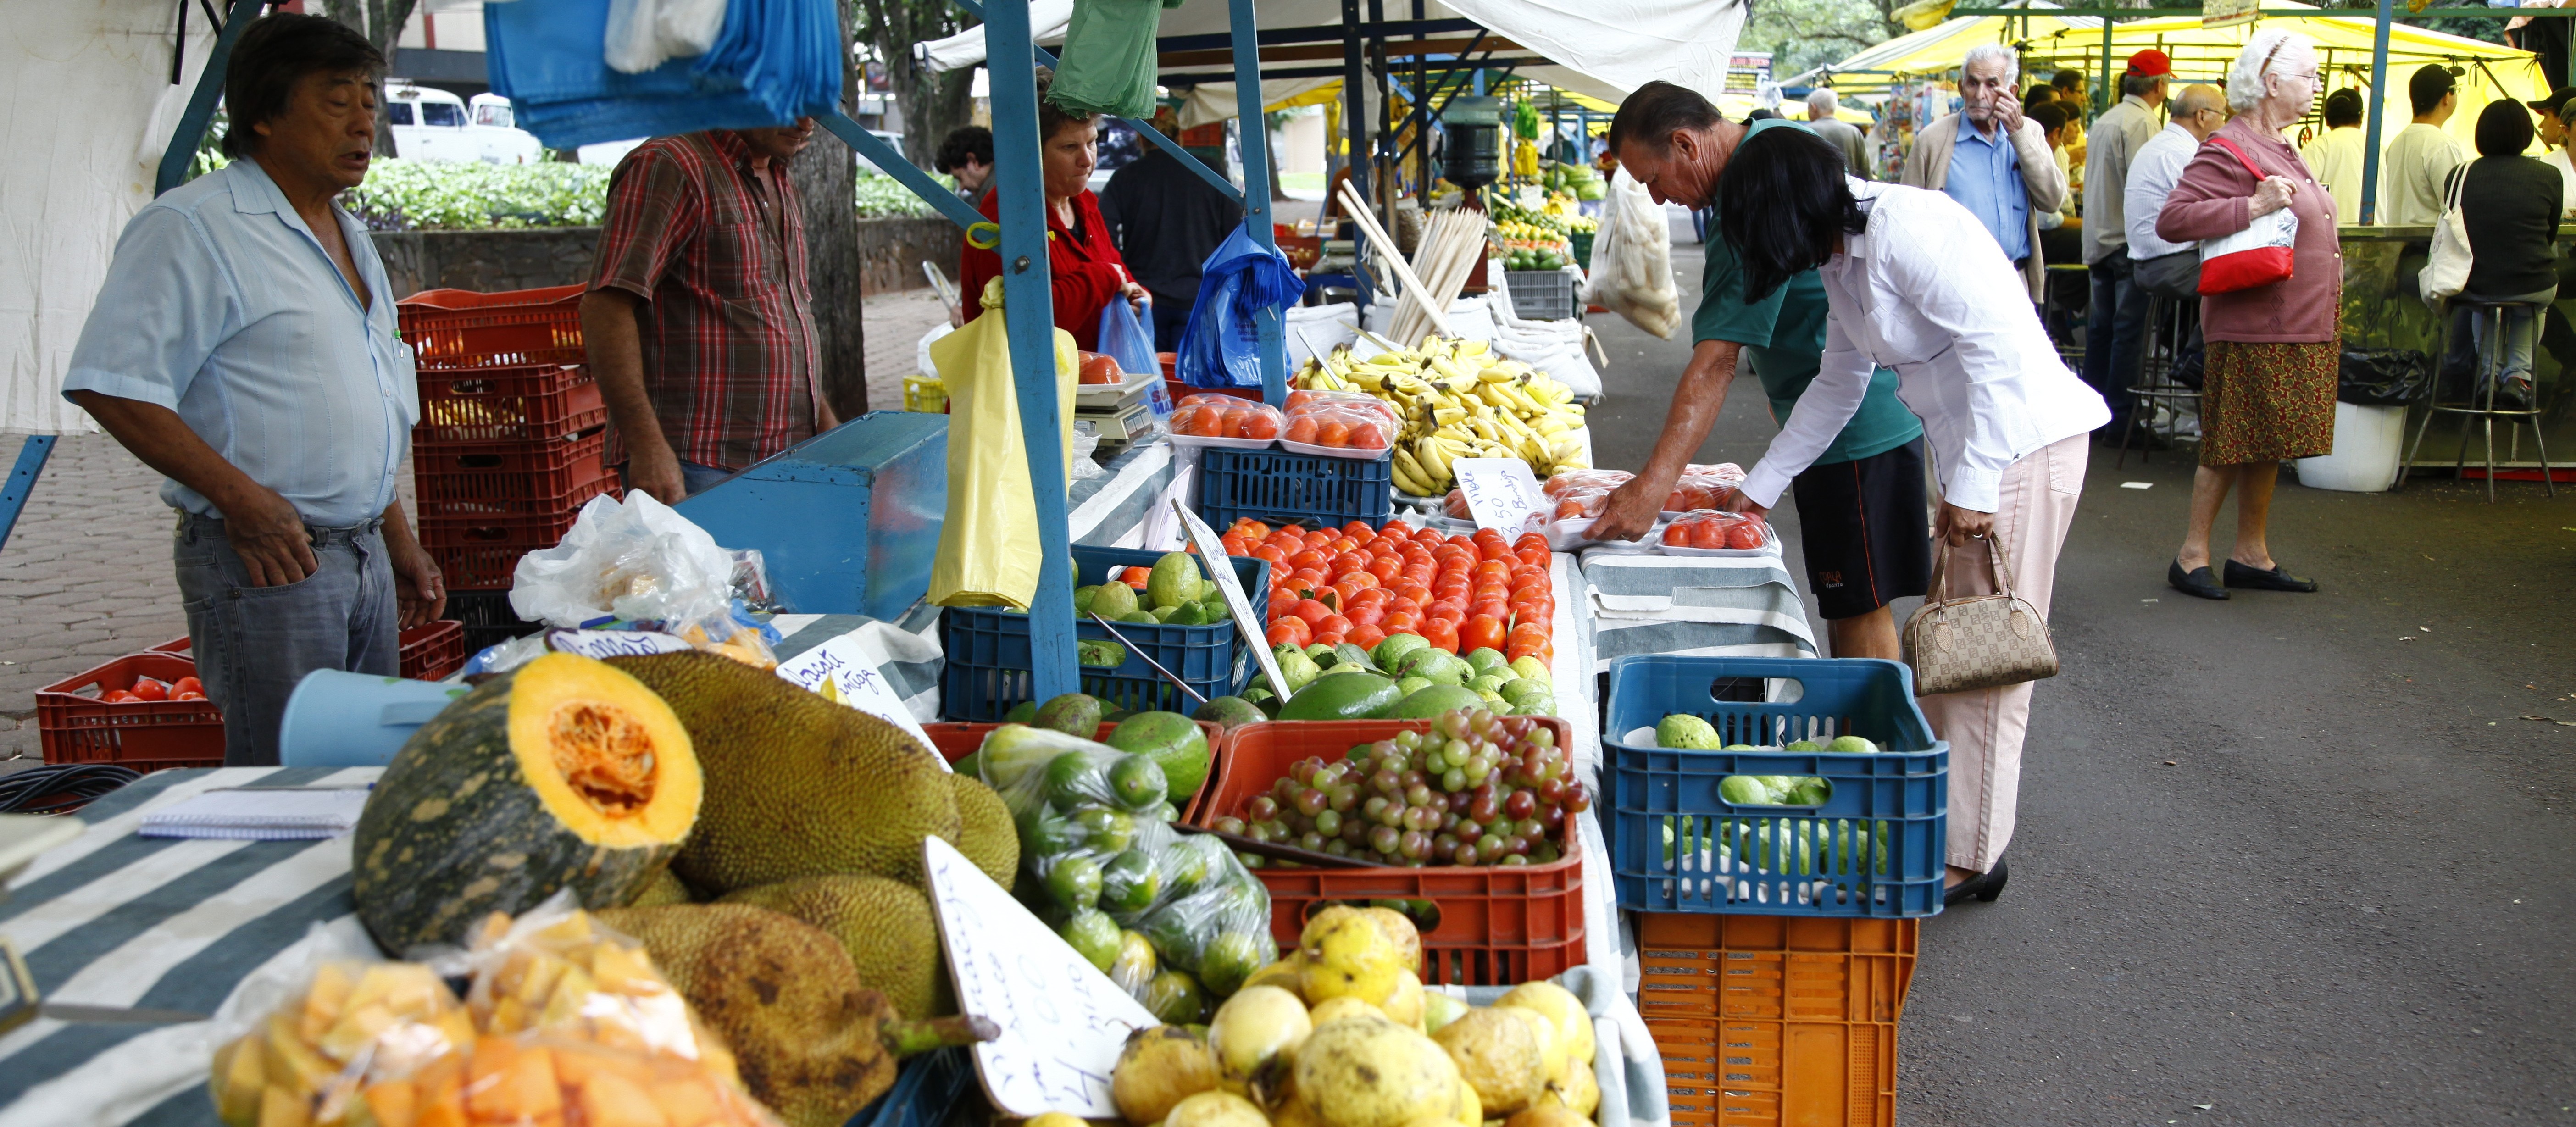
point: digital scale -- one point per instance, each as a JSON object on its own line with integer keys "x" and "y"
{"x": 1123, "y": 413}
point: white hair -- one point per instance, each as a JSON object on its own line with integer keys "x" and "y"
{"x": 2261, "y": 56}
{"x": 1994, "y": 52}
{"x": 1821, "y": 103}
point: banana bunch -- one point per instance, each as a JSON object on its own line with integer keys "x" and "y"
{"x": 1457, "y": 399}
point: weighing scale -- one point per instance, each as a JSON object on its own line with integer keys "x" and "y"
{"x": 1123, "y": 413}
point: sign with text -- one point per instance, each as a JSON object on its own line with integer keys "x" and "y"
{"x": 1212, "y": 556}
{"x": 2228, "y": 13}
{"x": 604, "y": 644}
{"x": 1502, "y": 494}
{"x": 839, "y": 670}
{"x": 1063, "y": 1022}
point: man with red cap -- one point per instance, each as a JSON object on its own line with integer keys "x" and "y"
{"x": 2116, "y": 330}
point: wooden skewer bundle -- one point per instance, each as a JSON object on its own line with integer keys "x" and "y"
{"x": 1452, "y": 242}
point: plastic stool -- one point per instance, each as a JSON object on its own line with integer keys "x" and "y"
{"x": 2489, "y": 373}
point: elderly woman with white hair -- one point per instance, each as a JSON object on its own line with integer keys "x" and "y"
{"x": 2270, "y": 369}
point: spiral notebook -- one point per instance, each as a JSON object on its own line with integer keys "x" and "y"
{"x": 261, "y": 814}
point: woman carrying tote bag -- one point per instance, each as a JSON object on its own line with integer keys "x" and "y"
{"x": 2269, "y": 380}
{"x": 1916, "y": 284}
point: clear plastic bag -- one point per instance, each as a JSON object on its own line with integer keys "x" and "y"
{"x": 637, "y": 564}
{"x": 1717, "y": 531}
{"x": 556, "y": 970}
{"x": 1632, "y": 260}
{"x": 310, "y": 1040}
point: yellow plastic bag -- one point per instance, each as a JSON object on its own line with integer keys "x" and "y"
{"x": 988, "y": 549}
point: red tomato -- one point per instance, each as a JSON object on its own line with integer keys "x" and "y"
{"x": 1365, "y": 636}
{"x": 1530, "y": 539}
{"x": 1418, "y": 593}
{"x": 1481, "y": 632}
{"x": 187, "y": 696}
{"x": 146, "y": 688}
{"x": 1370, "y": 596}
{"x": 1400, "y": 622}
{"x": 1445, "y": 612}
{"x": 1233, "y": 544}
{"x": 1348, "y": 586}
{"x": 1252, "y": 529}
{"x": 1343, "y": 544}
{"x": 1708, "y": 534}
{"x": 187, "y": 685}
{"x": 1312, "y": 610}
{"x": 117, "y": 696}
{"x": 1677, "y": 535}
{"x": 1534, "y": 607}
{"x": 1385, "y": 568}
{"x": 1534, "y": 557}
{"x": 1332, "y": 624}
{"x": 1397, "y": 528}
{"x": 1466, "y": 542}
{"x": 1271, "y": 552}
{"x": 1282, "y": 598}
{"x": 1365, "y": 614}
{"x": 1306, "y": 558}
{"x": 1289, "y": 631}
{"x": 1532, "y": 632}
{"x": 1418, "y": 574}
{"x": 1442, "y": 635}
{"x": 1489, "y": 608}
{"x": 1308, "y": 578}
{"x": 1497, "y": 550}
{"x": 1494, "y": 591}
{"x": 1495, "y": 570}
{"x": 1358, "y": 528}
{"x": 1405, "y": 605}
{"x": 1744, "y": 535}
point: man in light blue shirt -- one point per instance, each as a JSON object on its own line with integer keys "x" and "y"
{"x": 1993, "y": 159}
{"x": 245, "y": 346}
{"x": 1985, "y": 176}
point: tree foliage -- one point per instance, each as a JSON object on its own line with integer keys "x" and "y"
{"x": 932, "y": 103}
{"x": 381, "y": 21}
{"x": 1807, "y": 33}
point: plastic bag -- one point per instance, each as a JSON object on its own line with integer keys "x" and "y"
{"x": 1338, "y": 423}
{"x": 637, "y": 564}
{"x": 988, "y": 547}
{"x": 1109, "y": 60}
{"x": 1126, "y": 338}
{"x": 643, "y": 34}
{"x": 1711, "y": 531}
{"x": 1632, "y": 259}
{"x": 1219, "y": 348}
{"x": 556, "y": 970}
{"x": 2384, "y": 377}
{"x": 306, "y": 1041}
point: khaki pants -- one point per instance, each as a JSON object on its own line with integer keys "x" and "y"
{"x": 2036, "y": 507}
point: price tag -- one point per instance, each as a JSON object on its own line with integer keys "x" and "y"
{"x": 1062, "y": 1021}
{"x": 1502, "y": 494}
{"x": 614, "y": 643}
{"x": 839, "y": 670}
{"x": 1212, "y": 553}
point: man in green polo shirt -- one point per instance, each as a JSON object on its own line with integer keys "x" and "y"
{"x": 1861, "y": 506}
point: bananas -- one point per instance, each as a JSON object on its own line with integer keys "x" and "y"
{"x": 1459, "y": 399}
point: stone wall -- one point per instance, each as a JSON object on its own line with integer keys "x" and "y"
{"x": 891, "y": 250}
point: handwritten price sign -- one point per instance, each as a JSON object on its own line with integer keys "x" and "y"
{"x": 853, "y": 681}
{"x": 1502, "y": 494}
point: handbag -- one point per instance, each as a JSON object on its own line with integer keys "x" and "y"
{"x": 2448, "y": 273}
{"x": 1977, "y": 642}
{"x": 2257, "y": 256}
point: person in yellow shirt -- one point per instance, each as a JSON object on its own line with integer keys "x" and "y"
{"x": 2336, "y": 157}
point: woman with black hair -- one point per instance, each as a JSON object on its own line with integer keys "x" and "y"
{"x": 2510, "y": 204}
{"x": 1917, "y": 285}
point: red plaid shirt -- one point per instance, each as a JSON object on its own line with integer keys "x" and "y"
{"x": 717, "y": 252}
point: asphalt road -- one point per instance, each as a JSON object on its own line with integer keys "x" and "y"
{"x": 2287, "y": 859}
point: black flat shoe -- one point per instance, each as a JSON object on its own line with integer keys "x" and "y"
{"x": 2257, "y": 579}
{"x": 1984, "y": 886}
{"x": 2196, "y": 582}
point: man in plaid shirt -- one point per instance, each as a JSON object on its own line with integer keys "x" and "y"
{"x": 699, "y": 321}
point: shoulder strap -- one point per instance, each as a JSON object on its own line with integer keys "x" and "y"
{"x": 2241, "y": 158}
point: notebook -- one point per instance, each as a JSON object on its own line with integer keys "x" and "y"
{"x": 257, "y": 814}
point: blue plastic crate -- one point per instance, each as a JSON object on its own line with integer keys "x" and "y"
{"x": 1283, "y": 487}
{"x": 988, "y": 649}
{"x": 1798, "y": 861}
{"x": 926, "y": 1089}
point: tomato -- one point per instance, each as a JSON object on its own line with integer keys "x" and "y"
{"x": 1365, "y": 636}
{"x": 1708, "y": 534}
{"x": 1385, "y": 568}
{"x": 187, "y": 696}
{"x": 1401, "y": 603}
{"x": 1532, "y": 632}
{"x": 1365, "y": 614}
{"x": 1451, "y": 613}
{"x": 1306, "y": 558}
{"x": 1530, "y": 539}
{"x": 1401, "y": 622}
{"x": 1409, "y": 589}
{"x": 1494, "y": 591}
{"x": 1745, "y": 535}
{"x": 1397, "y": 528}
{"x": 1343, "y": 544}
{"x": 1357, "y": 528}
{"x": 1495, "y": 570}
{"x": 1309, "y": 578}
{"x": 1492, "y": 608}
{"x": 1312, "y": 610}
{"x": 1537, "y": 606}
{"x": 1498, "y": 551}
{"x": 1481, "y": 632}
{"x": 1526, "y": 576}
{"x": 1534, "y": 557}
{"x": 1282, "y": 600}
{"x": 186, "y": 685}
{"x": 1417, "y": 574}
{"x": 1677, "y": 535}
{"x": 1332, "y": 624}
{"x": 146, "y": 688}
{"x": 1252, "y": 528}
{"x": 1429, "y": 537}
{"x": 1301, "y": 429}
{"x": 1291, "y": 631}
{"x": 1441, "y": 634}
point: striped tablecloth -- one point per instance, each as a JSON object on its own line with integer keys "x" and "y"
{"x": 1738, "y": 606}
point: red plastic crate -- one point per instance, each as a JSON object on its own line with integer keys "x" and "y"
{"x": 957, "y": 741}
{"x": 1776, "y": 1020}
{"x": 481, "y": 553}
{"x": 1498, "y": 925}
{"x": 456, "y": 479}
{"x": 465, "y": 329}
{"x": 75, "y": 727}
{"x": 429, "y": 651}
{"x": 1173, "y": 387}
{"x": 511, "y": 403}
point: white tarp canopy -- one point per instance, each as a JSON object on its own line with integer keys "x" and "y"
{"x": 1603, "y": 48}
{"x": 93, "y": 106}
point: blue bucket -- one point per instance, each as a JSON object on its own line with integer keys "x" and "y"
{"x": 338, "y": 719}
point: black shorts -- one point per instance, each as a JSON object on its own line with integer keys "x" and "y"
{"x": 1868, "y": 539}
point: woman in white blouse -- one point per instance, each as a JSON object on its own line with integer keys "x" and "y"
{"x": 1917, "y": 285}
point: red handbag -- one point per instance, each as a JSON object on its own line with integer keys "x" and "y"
{"x": 2259, "y": 255}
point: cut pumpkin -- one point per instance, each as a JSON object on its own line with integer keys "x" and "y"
{"x": 563, "y": 773}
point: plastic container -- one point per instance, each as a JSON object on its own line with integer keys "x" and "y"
{"x": 926, "y": 1088}
{"x": 1785, "y": 967}
{"x": 988, "y": 649}
{"x": 1179, "y": 391}
{"x": 1285, "y": 487}
{"x": 1496, "y": 926}
{"x": 433, "y": 650}
{"x": 1750, "y": 1072}
{"x": 518, "y": 403}
{"x": 957, "y": 741}
{"x": 1542, "y": 295}
{"x": 337, "y": 719}
{"x": 1223, "y": 423}
{"x": 2365, "y": 456}
{"x": 465, "y": 329}
{"x": 481, "y": 552}
{"x": 462, "y": 479}
{"x": 74, "y": 726}
{"x": 1900, "y": 795}
{"x": 925, "y": 394}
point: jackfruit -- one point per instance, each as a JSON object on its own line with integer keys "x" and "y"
{"x": 885, "y": 925}
{"x": 810, "y": 1042}
{"x": 665, "y": 888}
{"x": 796, "y": 786}
{"x": 985, "y": 832}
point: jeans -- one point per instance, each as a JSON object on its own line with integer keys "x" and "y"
{"x": 2115, "y": 335}
{"x": 254, "y": 644}
{"x": 1171, "y": 316}
{"x": 693, "y": 477}
{"x": 2512, "y": 363}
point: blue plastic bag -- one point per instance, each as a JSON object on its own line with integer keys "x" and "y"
{"x": 773, "y": 61}
{"x": 1124, "y": 337}
{"x": 1219, "y": 348}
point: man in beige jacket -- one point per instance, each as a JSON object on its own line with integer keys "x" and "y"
{"x": 2000, "y": 168}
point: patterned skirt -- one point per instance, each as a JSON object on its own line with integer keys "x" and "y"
{"x": 2265, "y": 402}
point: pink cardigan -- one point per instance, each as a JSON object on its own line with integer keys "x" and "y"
{"x": 2214, "y": 198}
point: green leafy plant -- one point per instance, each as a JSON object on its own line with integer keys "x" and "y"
{"x": 881, "y": 197}
{"x": 439, "y": 195}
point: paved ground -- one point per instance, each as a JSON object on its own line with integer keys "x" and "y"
{"x": 2345, "y": 899}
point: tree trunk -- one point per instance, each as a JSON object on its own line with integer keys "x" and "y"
{"x": 381, "y": 21}
{"x": 823, "y": 174}
{"x": 933, "y": 104}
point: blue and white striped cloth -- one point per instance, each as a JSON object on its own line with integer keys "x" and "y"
{"x": 1732, "y": 606}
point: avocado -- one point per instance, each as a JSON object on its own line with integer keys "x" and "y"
{"x": 1024, "y": 712}
{"x": 1351, "y": 696}
{"x": 1391, "y": 649}
{"x": 1228, "y": 713}
{"x": 1174, "y": 742}
{"x": 1434, "y": 701}
{"x": 1074, "y": 714}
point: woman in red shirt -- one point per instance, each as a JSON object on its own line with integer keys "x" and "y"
{"x": 1084, "y": 270}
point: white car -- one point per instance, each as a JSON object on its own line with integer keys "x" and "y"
{"x": 432, "y": 124}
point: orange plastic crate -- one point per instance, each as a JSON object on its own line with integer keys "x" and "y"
{"x": 465, "y": 329}
{"x": 512, "y": 477}
{"x": 1776, "y": 1020}
{"x": 429, "y": 651}
{"x": 481, "y": 553}
{"x": 957, "y": 741}
{"x": 529, "y": 403}
{"x": 1497, "y": 925}
{"x": 74, "y": 726}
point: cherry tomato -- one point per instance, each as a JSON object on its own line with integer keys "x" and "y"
{"x": 1365, "y": 636}
{"x": 1481, "y": 632}
{"x": 1291, "y": 631}
{"x": 1442, "y": 635}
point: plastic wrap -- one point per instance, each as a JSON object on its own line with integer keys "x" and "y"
{"x": 1715, "y": 531}
{"x": 634, "y": 563}
{"x": 332, "y": 1030}
{"x": 555, "y": 970}
{"x": 1308, "y": 400}
{"x": 1583, "y": 479}
{"x": 1236, "y": 422}
{"x": 1337, "y": 428}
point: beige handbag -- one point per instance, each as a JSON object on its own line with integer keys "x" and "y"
{"x": 1977, "y": 642}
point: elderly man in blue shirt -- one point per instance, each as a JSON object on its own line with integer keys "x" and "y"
{"x": 1997, "y": 164}
{"x": 245, "y": 346}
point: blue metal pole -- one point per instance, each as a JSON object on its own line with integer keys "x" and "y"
{"x": 22, "y": 481}
{"x": 885, "y": 157}
{"x": 1146, "y": 130}
{"x": 201, "y": 102}
{"x": 2378, "y": 104}
{"x": 1270, "y": 332}
{"x": 1030, "y": 306}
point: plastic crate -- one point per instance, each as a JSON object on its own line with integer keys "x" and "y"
{"x": 481, "y": 552}
{"x": 1901, "y": 795}
{"x": 459, "y": 479}
{"x": 428, "y": 652}
{"x": 1496, "y": 926}
{"x": 988, "y": 649}
{"x": 488, "y": 619}
{"x": 75, "y": 727}
{"x": 1790, "y": 968}
{"x": 1281, "y": 487}
{"x": 1176, "y": 389}
{"x": 957, "y": 741}
{"x": 926, "y": 1089}
{"x": 1750, "y": 1072}
{"x": 1582, "y": 241}
{"x": 465, "y": 329}
{"x": 515, "y": 403}
{"x": 1541, "y": 295}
